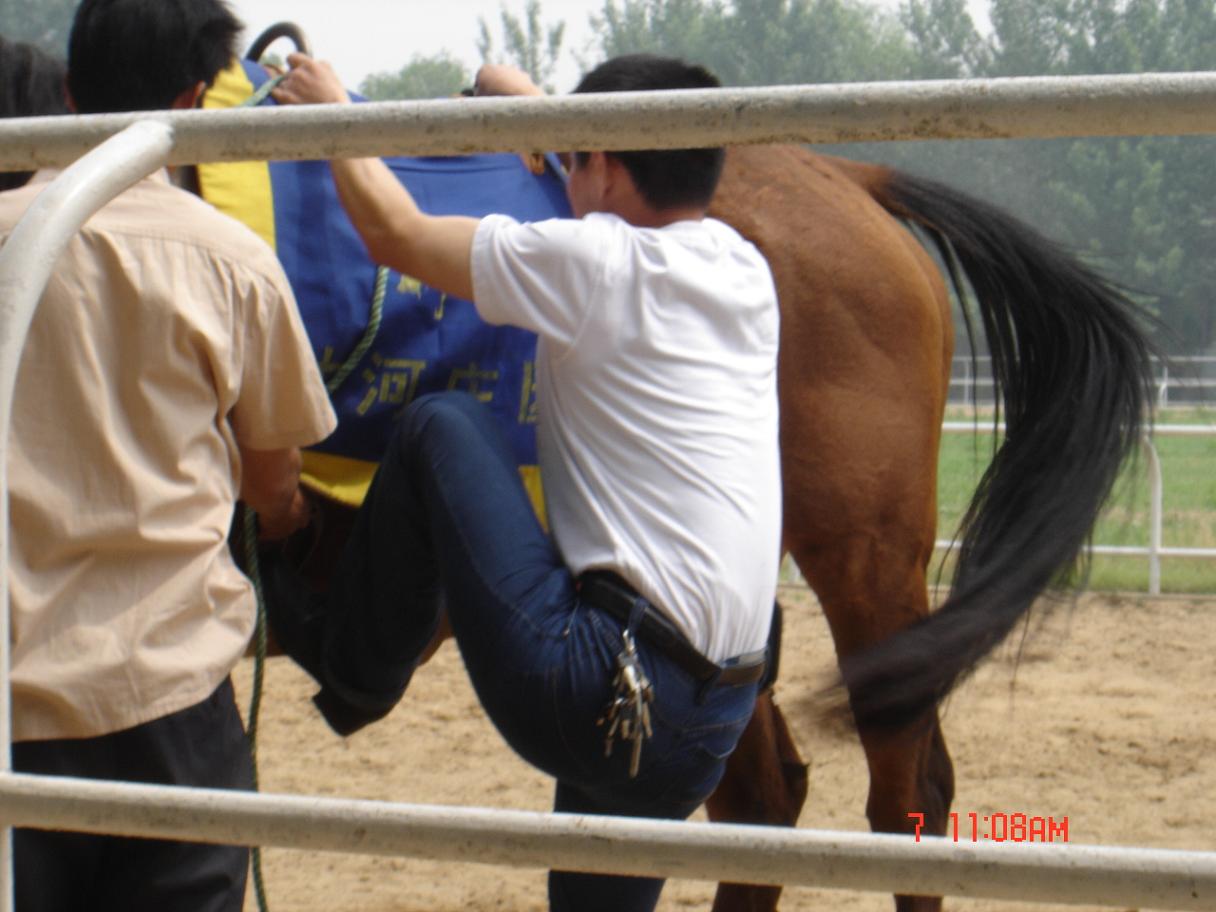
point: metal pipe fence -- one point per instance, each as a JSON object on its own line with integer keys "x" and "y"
{"x": 1184, "y": 381}
{"x": 1034, "y": 871}
{"x": 1155, "y": 550}
{"x": 1040, "y": 106}
{"x": 135, "y": 145}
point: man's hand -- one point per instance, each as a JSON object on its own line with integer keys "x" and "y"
{"x": 500, "y": 79}
{"x": 270, "y": 486}
{"x": 310, "y": 82}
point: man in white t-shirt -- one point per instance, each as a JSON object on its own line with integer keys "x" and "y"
{"x": 622, "y": 652}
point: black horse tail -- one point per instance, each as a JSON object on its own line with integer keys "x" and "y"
{"x": 1073, "y": 375}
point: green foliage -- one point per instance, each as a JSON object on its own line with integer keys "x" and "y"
{"x": 760, "y": 42}
{"x": 944, "y": 39}
{"x": 1189, "y": 506}
{"x": 435, "y": 76}
{"x": 529, "y": 45}
{"x": 45, "y": 23}
{"x": 1140, "y": 209}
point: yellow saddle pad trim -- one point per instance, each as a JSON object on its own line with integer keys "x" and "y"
{"x": 240, "y": 189}
{"x": 346, "y": 480}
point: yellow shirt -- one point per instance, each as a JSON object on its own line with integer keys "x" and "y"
{"x": 167, "y": 334}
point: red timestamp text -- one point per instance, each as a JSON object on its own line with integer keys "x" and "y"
{"x": 998, "y": 827}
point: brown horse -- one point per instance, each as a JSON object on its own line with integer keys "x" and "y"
{"x": 866, "y": 345}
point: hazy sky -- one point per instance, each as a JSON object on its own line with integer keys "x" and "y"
{"x": 368, "y": 36}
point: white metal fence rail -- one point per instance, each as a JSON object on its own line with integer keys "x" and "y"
{"x": 1183, "y": 381}
{"x": 1130, "y": 878}
{"x": 1045, "y": 106}
{"x": 1156, "y": 549}
{"x": 1164, "y": 104}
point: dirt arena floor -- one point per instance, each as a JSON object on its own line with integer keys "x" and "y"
{"x": 1109, "y": 722}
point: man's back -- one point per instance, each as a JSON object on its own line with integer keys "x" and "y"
{"x": 146, "y": 363}
{"x": 656, "y": 378}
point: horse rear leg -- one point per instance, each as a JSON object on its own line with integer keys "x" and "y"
{"x": 765, "y": 783}
{"x": 869, "y": 588}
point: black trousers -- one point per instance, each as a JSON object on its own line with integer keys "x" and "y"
{"x": 203, "y": 745}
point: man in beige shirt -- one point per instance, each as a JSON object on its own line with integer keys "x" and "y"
{"x": 166, "y": 373}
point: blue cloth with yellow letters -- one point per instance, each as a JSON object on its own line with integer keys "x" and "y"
{"x": 426, "y": 341}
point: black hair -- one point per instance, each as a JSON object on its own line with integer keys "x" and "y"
{"x": 139, "y": 55}
{"x": 665, "y": 178}
{"x": 31, "y": 84}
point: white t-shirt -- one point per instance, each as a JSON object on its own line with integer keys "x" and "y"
{"x": 657, "y": 394}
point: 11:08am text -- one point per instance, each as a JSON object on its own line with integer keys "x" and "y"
{"x": 998, "y": 827}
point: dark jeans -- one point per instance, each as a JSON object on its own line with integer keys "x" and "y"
{"x": 203, "y": 745}
{"x": 447, "y": 524}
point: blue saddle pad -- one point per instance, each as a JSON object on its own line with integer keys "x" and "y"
{"x": 426, "y": 341}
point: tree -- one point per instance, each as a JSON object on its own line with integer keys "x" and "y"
{"x": 761, "y": 42}
{"x": 945, "y": 42}
{"x": 1138, "y": 208}
{"x": 45, "y": 23}
{"x": 528, "y": 45}
{"x": 436, "y": 76}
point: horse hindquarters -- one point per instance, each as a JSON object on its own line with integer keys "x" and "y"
{"x": 865, "y": 353}
{"x": 1074, "y": 375}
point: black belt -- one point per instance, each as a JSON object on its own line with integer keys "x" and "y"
{"x": 612, "y": 595}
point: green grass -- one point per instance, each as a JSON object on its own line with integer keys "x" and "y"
{"x": 1188, "y": 466}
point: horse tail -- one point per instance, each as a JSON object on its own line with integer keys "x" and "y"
{"x": 1073, "y": 375}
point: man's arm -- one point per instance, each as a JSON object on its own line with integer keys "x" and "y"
{"x": 502, "y": 79}
{"x": 270, "y": 486}
{"x": 433, "y": 249}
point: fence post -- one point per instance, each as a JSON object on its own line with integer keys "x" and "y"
{"x": 1156, "y": 499}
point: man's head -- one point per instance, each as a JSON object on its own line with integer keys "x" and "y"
{"x": 146, "y": 55}
{"x": 31, "y": 85}
{"x": 666, "y": 179}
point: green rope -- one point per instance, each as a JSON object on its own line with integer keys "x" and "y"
{"x": 377, "y": 306}
{"x": 375, "y": 313}
{"x": 259, "y": 667}
{"x": 259, "y": 95}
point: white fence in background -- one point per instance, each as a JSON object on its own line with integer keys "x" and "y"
{"x": 1187, "y": 381}
{"x": 1147, "y": 104}
{"x": 1155, "y": 550}
{"x": 1182, "y": 382}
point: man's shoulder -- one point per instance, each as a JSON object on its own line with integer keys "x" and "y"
{"x": 186, "y": 217}
{"x": 560, "y": 239}
{"x": 163, "y": 219}
{"x": 593, "y": 223}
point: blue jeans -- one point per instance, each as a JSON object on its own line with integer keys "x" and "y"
{"x": 447, "y": 525}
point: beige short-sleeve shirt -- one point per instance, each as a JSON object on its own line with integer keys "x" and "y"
{"x": 167, "y": 335}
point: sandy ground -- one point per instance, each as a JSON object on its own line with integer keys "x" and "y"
{"x": 1109, "y": 722}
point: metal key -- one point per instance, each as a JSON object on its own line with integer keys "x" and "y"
{"x": 628, "y": 715}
